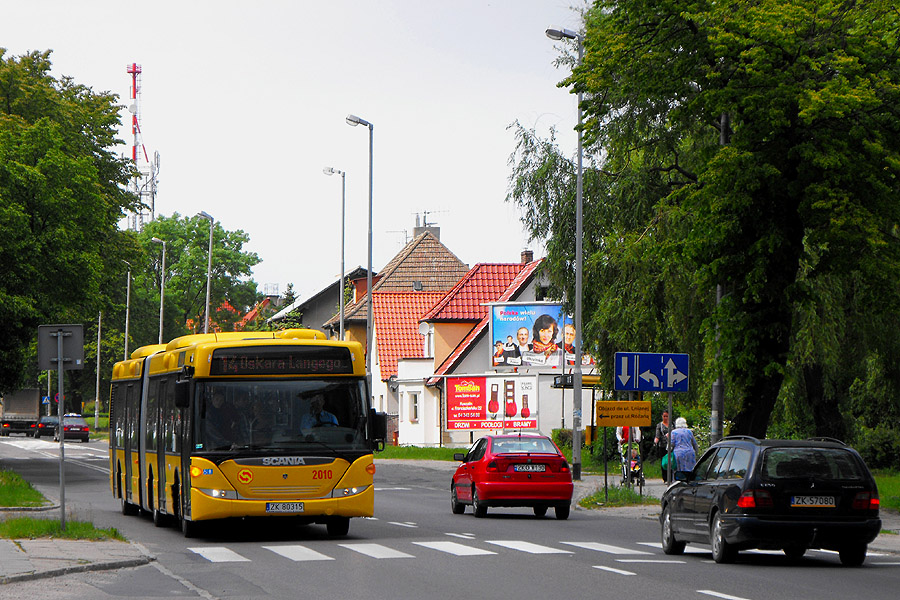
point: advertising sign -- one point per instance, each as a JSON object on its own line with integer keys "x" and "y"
{"x": 533, "y": 335}
{"x": 475, "y": 403}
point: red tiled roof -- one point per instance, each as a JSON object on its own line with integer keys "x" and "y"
{"x": 397, "y": 334}
{"x": 484, "y": 282}
{"x": 425, "y": 261}
{"x": 464, "y": 346}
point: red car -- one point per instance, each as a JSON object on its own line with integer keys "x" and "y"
{"x": 521, "y": 469}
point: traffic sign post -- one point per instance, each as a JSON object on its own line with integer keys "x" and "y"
{"x": 61, "y": 346}
{"x": 651, "y": 372}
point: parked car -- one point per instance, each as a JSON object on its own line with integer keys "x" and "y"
{"x": 512, "y": 470}
{"x": 785, "y": 495}
{"x": 75, "y": 427}
{"x": 46, "y": 426}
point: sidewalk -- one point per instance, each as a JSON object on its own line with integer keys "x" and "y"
{"x": 26, "y": 559}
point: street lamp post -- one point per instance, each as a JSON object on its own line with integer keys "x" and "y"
{"x": 353, "y": 120}
{"x": 162, "y": 285}
{"x": 559, "y": 34}
{"x": 332, "y": 171}
{"x": 127, "y": 306}
{"x": 208, "y": 217}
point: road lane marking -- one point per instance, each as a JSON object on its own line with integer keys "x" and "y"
{"x": 405, "y": 524}
{"x": 527, "y": 547}
{"x": 651, "y": 560}
{"x": 376, "y": 551}
{"x": 391, "y": 489}
{"x": 720, "y": 595}
{"x": 465, "y": 536}
{"x": 298, "y": 553}
{"x": 605, "y": 548}
{"x": 454, "y": 548}
{"x": 611, "y": 570}
{"x": 219, "y": 554}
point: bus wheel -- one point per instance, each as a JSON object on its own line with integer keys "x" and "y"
{"x": 338, "y": 526}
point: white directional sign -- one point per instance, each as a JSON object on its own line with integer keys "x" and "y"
{"x": 651, "y": 372}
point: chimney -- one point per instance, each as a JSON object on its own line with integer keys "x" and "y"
{"x": 527, "y": 256}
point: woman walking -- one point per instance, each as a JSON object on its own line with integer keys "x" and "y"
{"x": 684, "y": 445}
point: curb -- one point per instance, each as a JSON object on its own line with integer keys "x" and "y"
{"x": 97, "y": 566}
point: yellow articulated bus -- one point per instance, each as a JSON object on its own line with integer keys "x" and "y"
{"x": 252, "y": 424}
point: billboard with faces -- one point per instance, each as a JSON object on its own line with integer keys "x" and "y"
{"x": 537, "y": 334}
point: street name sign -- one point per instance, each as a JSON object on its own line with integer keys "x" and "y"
{"x": 624, "y": 413}
{"x": 651, "y": 372}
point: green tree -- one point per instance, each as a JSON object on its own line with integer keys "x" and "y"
{"x": 748, "y": 145}
{"x": 61, "y": 195}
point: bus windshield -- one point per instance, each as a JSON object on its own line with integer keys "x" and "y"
{"x": 303, "y": 414}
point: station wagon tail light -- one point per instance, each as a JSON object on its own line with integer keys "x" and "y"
{"x": 866, "y": 501}
{"x": 564, "y": 467}
{"x": 492, "y": 466}
{"x": 755, "y": 499}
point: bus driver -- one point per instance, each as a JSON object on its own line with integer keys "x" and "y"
{"x": 317, "y": 415}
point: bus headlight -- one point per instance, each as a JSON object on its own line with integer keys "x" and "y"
{"x": 226, "y": 494}
{"x": 351, "y": 491}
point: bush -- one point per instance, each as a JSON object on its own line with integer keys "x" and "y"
{"x": 879, "y": 447}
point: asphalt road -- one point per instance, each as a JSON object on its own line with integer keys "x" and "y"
{"x": 415, "y": 548}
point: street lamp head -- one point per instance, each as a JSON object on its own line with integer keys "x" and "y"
{"x": 353, "y": 121}
{"x": 559, "y": 33}
{"x": 332, "y": 171}
{"x": 158, "y": 241}
{"x": 205, "y": 215}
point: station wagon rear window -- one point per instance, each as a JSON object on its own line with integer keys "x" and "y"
{"x": 815, "y": 463}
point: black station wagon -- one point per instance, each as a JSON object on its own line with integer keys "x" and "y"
{"x": 773, "y": 494}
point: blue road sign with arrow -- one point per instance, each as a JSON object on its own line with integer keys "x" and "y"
{"x": 651, "y": 372}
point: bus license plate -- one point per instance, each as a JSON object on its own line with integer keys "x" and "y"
{"x": 813, "y": 501}
{"x": 529, "y": 468}
{"x": 284, "y": 507}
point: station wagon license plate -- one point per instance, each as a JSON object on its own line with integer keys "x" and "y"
{"x": 284, "y": 507}
{"x": 529, "y": 468}
{"x": 813, "y": 501}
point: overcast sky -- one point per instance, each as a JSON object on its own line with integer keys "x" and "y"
{"x": 245, "y": 103}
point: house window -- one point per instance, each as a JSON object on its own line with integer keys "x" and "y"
{"x": 413, "y": 407}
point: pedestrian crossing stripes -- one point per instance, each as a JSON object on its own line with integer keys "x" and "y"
{"x": 304, "y": 553}
{"x": 454, "y": 548}
{"x": 605, "y": 548}
{"x": 219, "y": 554}
{"x": 376, "y": 551}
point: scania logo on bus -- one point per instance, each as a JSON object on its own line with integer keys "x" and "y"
{"x": 280, "y": 461}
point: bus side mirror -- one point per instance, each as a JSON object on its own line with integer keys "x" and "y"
{"x": 182, "y": 394}
{"x": 377, "y": 427}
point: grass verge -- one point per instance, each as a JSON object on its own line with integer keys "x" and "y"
{"x": 888, "y": 488}
{"x": 418, "y": 453}
{"x": 618, "y": 496}
{"x": 15, "y": 491}
{"x": 29, "y": 528}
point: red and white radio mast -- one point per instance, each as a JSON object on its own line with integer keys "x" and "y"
{"x": 145, "y": 184}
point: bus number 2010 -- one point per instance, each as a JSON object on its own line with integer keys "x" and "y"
{"x": 322, "y": 474}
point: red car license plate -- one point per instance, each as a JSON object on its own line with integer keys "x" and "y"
{"x": 529, "y": 468}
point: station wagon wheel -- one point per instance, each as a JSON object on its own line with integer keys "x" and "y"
{"x": 562, "y": 512}
{"x": 794, "y": 552}
{"x": 722, "y": 551}
{"x": 478, "y": 507}
{"x": 540, "y": 511}
{"x": 669, "y": 544}
{"x": 456, "y": 506}
{"x": 852, "y": 555}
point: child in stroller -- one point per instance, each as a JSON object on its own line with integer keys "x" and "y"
{"x": 632, "y": 468}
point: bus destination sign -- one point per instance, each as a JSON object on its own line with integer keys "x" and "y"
{"x": 273, "y": 360}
